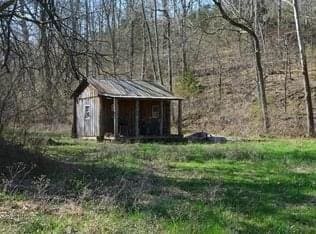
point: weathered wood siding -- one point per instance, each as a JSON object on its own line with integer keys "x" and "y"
{"x": 100, "y": 121}
{"x": 88, "y": 127}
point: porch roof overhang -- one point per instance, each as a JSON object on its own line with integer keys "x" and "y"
{"x": 141, "y": 97}
{"x": 127, "y": 89}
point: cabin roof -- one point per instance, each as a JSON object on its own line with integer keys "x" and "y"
{"x": 126, "y": 88}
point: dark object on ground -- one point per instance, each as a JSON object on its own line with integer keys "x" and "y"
{"x": 198, "y": 136}
{"x": 216, "y": 139}
{"x": 205, "y": 137}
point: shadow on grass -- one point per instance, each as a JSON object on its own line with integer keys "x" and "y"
{"x": 176, "y": 199}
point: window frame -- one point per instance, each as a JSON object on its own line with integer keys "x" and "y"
{"x": 87, "y": 112}
{"x": 155, "y": 111}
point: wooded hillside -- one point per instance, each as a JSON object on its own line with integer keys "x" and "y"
{"x": 237, "y": 62}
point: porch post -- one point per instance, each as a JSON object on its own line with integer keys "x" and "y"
{"x": 180, "y": 117}
{"x": 137, "y": 118}
{"x": 116, "y": 114}
{"x": 161, "y": 118}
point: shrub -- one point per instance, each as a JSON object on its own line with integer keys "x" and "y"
{"x": 187, "y": 85}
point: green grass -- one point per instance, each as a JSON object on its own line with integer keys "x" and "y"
{"x": 248, "y": 187}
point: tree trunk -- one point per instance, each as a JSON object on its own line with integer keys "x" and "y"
{"x": 152, "y": 54}
{"x": 144, "y": 56}
{"x": 303, "y": 60}
{"x": 113, "y": 36}
{"x": 132, "y": 18}
{"x": 287, "y": 72}
{"x": 167, "y": 16}
{"x": 132, "y": 50}
{"x": 279, "y": 19}
{"x": 263, "y": 98}
{"x": 110, "y": 15}
{"x": 47, "y": 71}
{"x": 157, "y": 43}
{"x": 87, "y": 35}
{"x": 184, "y": 37}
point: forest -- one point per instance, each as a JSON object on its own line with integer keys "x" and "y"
{"x": 188, "y": 46}
{"x": 246, "y": 70}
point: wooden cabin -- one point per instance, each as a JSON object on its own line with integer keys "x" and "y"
{"x": 114, "y": 108}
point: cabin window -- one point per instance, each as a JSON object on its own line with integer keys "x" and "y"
{"x": 155, "y": 111}
{"x": 87, "y": 112}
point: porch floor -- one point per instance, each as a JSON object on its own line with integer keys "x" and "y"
{"x": 166, "y": 139}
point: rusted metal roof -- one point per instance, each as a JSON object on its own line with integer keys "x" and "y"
{"x": 126, "y": 88}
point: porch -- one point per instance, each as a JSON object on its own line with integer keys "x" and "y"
{"x": 134, "y": 119}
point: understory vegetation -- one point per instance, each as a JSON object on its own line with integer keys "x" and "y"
{"x": 70, "y": 186}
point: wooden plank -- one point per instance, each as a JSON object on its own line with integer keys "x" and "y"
{"x": 161, "y": 118}
{"x": 180, "y": 117}
{"x": 137, "y": 118}
{"x": 115, "y": 119}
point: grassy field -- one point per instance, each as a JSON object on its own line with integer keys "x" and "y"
{"x": 88, "y": 187}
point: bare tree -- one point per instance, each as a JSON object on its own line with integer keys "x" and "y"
{"x": 159, "y": 74}
{"x": 151, "y": 46}
{"x": 168, "y": 38}
{"x": 183, "y": 35}
{"x": 131, "y": 18}
{"x": 279, "y": 7}
{"x": 261, "y": 80}
{"x": 111, "y": 23}
{"x": 144, "y": 52}
{"x": 303, "y": 60}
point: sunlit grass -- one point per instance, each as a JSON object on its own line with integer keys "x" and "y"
{"x": 253, "y": 187}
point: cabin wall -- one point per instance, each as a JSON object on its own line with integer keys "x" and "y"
{"x": 88, "y": 124}
{"x": 99, "y": 121}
